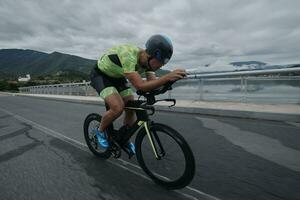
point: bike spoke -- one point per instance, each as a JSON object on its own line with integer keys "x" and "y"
{"x": 93, "y": 126}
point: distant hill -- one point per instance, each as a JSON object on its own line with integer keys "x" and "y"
{"x": 20, "y": 62}
{"x": 238, "y": 67}
{"x": 256, "y": 63}
{"x": 16, "y": 62}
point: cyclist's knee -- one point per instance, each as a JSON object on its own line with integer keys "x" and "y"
{"x": 128, "y": 98}
{"x": 117, "y": 109}
{"x": 116, "y": 104}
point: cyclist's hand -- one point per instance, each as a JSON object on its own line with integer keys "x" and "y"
{"x": 176, "y": 75}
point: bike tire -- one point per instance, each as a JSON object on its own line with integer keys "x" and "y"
{"x": 189, "y": 171}
{"x": 93, "y": 117}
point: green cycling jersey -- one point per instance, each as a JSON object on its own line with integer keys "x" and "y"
{"x": 128, "y": 56}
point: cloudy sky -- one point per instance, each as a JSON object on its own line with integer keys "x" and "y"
{"x": 202, "y": 31}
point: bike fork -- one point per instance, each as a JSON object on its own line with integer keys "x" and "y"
{"x": 150, "y": 137}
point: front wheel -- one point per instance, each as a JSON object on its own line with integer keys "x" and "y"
{"x": 91, "y": 124}
{"x": 175, "y": 167}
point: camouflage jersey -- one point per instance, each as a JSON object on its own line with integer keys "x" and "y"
{"x": 119, "y": 60}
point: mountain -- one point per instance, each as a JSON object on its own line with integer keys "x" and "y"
{"x": 253, "y": 63}
{"x": 19, "y": 62}
{"x": 16, "y": 62}
{"x": 238, "y": 66}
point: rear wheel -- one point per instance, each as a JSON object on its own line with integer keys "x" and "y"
{"x": 176, "y": 167}
{"x": 91, "y": 124}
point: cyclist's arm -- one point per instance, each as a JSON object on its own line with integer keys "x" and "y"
{"x": 146, "y": 86}
{"x": 150, "y": 75}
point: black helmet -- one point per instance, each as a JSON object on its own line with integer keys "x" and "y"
{"x": 160, "y": 47}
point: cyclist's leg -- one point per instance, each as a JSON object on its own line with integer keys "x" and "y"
{"x": 104, "y": 86}
{"x": 127, "y": 94}
{"x": 130, "y": 117}
{"x": 116, "y": 107}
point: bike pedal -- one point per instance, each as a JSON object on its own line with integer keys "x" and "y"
{"x": 115, "y": 150}
{"x": 116, "y": 154}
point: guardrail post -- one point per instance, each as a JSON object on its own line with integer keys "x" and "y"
{"x": 63, "y": 89}
{"x": 244, "y": 89}
{"x": 86, "y": 88}
{"x": 70, "y": 89}
{"x": 299, "y": 93}
{"x": 200, "y": 89}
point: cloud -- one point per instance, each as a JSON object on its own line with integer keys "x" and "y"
{"x": 202, "y": 31}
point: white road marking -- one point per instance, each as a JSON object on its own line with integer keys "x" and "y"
{"x": 84, "y": 148}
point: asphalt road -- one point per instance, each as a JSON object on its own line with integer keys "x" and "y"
{"x": 42, "y": 155}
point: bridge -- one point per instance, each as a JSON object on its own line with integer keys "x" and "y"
{"x": 243, "y": 150}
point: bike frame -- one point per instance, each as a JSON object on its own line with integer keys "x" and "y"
{"x": 142, "y": 121}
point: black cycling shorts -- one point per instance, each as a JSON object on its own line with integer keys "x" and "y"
{"x": 106, "y": 85}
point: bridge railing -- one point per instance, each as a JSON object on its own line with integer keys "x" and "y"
{"x": 261, "y": 86}
{"x": 77, "y": 89}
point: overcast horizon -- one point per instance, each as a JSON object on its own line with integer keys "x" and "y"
{"x": 202, "y": 32}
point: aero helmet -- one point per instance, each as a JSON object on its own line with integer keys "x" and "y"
{"x": 159, "y": 47}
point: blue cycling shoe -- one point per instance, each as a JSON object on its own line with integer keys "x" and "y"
{"x": 131, "y": 147}
{"x": 102, "y": 138}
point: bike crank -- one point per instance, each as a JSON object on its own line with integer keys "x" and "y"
{"x": 115, "y": 149}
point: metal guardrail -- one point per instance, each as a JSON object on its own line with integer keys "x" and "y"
{"x": 284, "y": 90}
{"x": 77, "y": 89}
{"x": 234, "y": 86}
{"x": 245, "y": 73}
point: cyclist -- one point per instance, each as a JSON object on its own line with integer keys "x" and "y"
{"x": 128, "y": 62}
